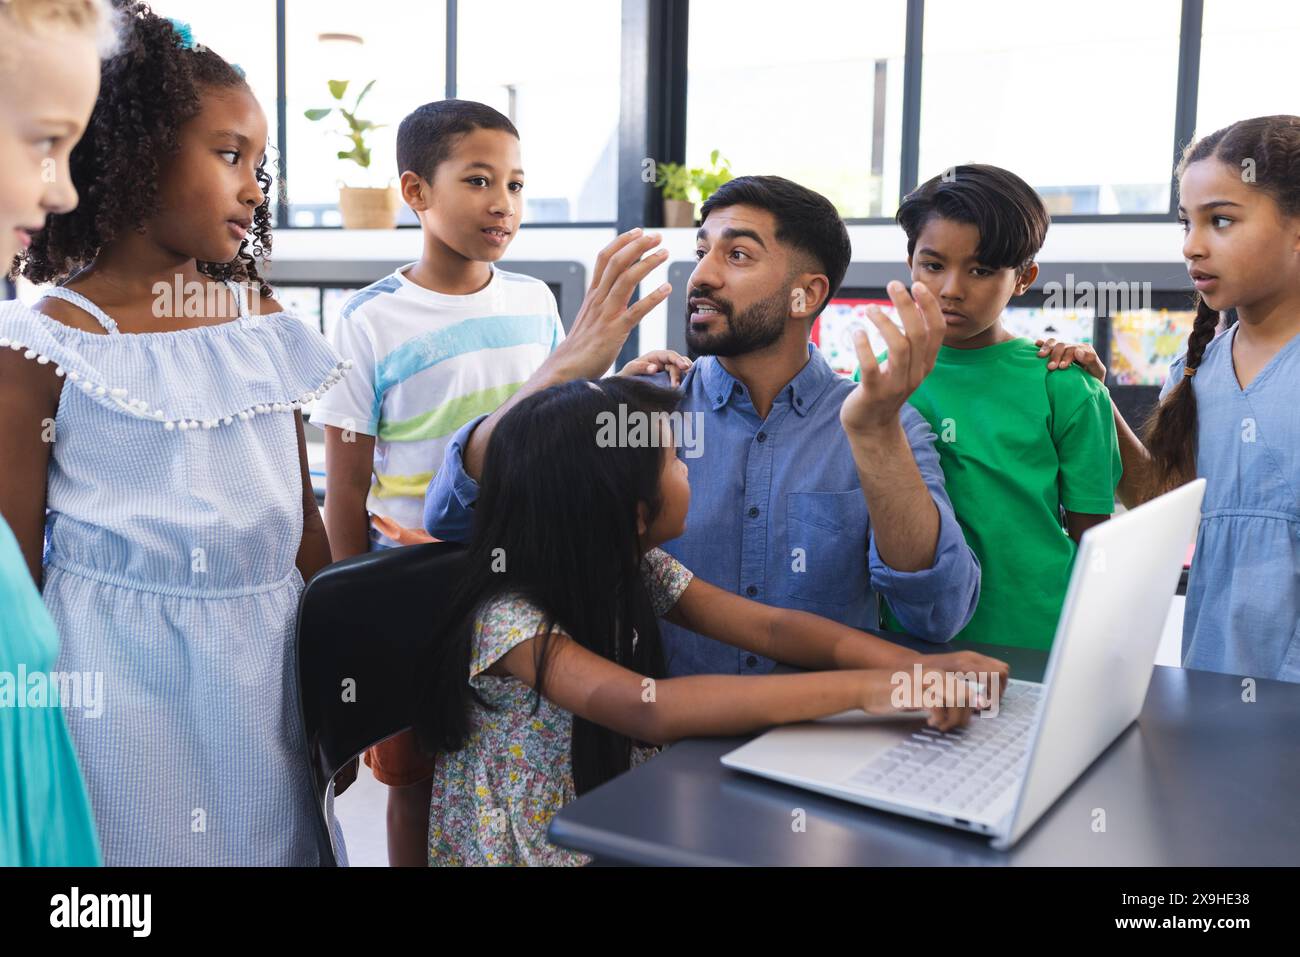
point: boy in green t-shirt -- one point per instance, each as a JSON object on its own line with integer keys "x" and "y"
{"x": 1019, "y": 446}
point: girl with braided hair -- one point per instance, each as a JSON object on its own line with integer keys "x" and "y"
{"x": 1228, "y": 411}
{"x": 155, "y": 465}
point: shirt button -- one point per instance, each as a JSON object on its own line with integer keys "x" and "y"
{"x": 751, "y": 591}
{"x": 751, "y": 661}
{"x": 753, "y": 513}
{"x": 762, "y": 436}
{"x": 736, "y": 388}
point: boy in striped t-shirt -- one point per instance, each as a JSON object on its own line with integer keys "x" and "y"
{"x": 437, "y": 344}
{"x": 439, "y": 341}
{"x": 427, "y": 362}
{"x": 433, "y": 345}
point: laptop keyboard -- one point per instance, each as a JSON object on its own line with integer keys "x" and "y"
{"x": 961, "y": 771}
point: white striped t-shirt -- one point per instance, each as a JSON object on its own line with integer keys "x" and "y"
{"x": 424, "y": 364}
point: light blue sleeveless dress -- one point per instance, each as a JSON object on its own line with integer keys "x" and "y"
{"x": 175, "y": 517}
{"x": 1243, "y": 592}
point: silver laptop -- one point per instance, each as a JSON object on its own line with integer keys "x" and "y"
{"x": 1000, "y": 773}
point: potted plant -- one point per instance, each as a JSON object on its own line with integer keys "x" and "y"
{"x": 362, "y": 207}
{"x": 674, "y": 180}
{"x": 683, "y": 186}
{"x": 708, "y": 180}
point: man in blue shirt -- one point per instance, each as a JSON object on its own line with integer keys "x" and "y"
{"x": 808, "y": 491}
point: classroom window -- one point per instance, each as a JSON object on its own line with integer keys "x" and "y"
{"x": 554, "y": 71}
{"x": 399, "y": 44}
{"x": 1248, "y": 68}
{"x": 1082, "y": 109}
{"x": 821, "y": 106}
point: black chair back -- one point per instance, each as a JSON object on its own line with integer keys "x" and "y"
{"x": 361, "y": 623}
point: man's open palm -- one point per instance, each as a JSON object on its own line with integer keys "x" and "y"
{"x": 875, "y": 403}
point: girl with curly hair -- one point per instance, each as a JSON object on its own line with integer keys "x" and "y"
{"x": 163, "y": 434}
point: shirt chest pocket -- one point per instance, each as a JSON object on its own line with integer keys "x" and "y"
{"x": 826, "y": 538}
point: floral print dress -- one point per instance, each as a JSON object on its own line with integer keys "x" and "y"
{"x": 494, "y": 799}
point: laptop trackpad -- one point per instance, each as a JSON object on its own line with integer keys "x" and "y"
{"x": 828, "y": 750}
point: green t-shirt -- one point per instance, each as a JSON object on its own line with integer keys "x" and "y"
{"x": 1017, "y": 444}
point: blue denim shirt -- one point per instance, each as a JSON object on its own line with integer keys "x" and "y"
{"x": 777, "y": 514}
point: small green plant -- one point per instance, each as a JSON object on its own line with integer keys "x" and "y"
{"x": 692, "y": 184}
{"x": 707, "y": 181}
{"x": 357, "y": 127}
{"x": 675, "y": 180}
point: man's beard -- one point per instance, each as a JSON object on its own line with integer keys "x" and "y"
{"x": 756, "y": 328}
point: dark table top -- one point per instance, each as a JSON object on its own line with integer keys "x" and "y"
{"x": 1201, "y": 778}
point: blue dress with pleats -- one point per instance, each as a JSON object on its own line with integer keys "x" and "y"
{"x": 175, "y": 517}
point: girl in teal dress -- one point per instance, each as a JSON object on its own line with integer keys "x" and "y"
{"x": 45, "y": 817}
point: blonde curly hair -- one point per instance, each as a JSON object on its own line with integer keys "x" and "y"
{"x": 93, "y": 16}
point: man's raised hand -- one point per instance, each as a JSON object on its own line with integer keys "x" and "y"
{"x": 605, "y": 319}
{"x": 874, "y": 405}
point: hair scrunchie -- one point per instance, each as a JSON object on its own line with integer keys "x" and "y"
{"x": 184, "y": 31}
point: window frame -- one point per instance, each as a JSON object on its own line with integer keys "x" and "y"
{"x": 653, "y": 93}
{"x": 448, "y": 92}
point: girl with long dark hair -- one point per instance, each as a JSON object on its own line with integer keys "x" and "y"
{"x": 547, "y": 672}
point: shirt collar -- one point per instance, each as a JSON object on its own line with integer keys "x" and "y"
{"x": 802, "y": 392}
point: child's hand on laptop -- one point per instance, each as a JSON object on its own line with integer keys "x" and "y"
{"x": 888, "y": 692}
{"x": 1061, "y": 354}
{"x": 674, "y": 363}
{"x": 968, "y": 681}
{"x": 990, "y": 673}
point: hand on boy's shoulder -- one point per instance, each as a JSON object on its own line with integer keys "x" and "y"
{"x": 1063, "y": 355}
{"x": 1071, "y": 388}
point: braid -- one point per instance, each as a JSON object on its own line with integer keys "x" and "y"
{"x": 1171, "y": 430}
{"x": 1207, "y": 320}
